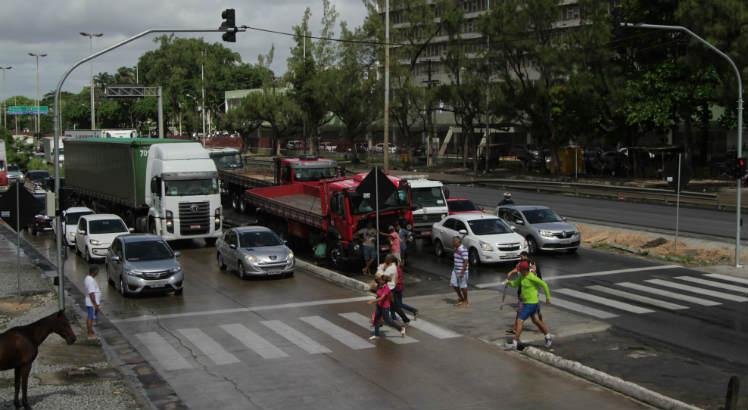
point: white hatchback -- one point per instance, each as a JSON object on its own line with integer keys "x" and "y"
{"x": 70, "y": 218}
{"x": 487, "y": 238}
{"x": 96, "y": 233}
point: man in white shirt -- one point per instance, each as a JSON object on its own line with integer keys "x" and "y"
{"x": 389, "y": 269}
{"x": 93, "y": 299}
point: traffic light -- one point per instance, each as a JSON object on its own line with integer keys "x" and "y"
{"x": 229, "y": 22}
{"x": 740, "y": 167}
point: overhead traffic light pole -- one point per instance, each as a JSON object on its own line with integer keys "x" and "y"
{"x": 224, "y": 28}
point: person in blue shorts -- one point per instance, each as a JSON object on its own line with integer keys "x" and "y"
{"x": 529, "y": 283}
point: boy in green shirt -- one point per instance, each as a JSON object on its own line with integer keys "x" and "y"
{"x": 528, "y": 283}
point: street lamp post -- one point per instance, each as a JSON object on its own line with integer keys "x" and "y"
{"x": 739, "y": 148}
{"x": 93, "y": 102}
{"x": 2, "y": 95}
{"x": 386, "y": 130}
{"x": 38, "y": 124}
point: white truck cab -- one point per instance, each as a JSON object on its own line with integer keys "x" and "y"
{"x": 184, "y": 196}
{"x": 430, "y": 205}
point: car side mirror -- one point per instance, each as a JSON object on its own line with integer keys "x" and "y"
{"x": 81, "y": 231}
{"x": 563, "y": 218}
{"x": 177, "y": 254}
{"x": 232, "y": 246}
{"x": 519, "y": 222}
{"x": 115, "y": 258}
{"x": 462, "y": 232}
{"x": 131, "y": 230}
{"x": 514, "y": 228}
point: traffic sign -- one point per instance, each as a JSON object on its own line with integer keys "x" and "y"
{"x": 27, "y": 110}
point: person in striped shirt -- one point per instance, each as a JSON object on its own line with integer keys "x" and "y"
{"x": 460, "y": 272}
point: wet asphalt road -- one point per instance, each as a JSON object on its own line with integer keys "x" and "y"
{"x": 702, "y": 222}
{"x": 298, "y": 343}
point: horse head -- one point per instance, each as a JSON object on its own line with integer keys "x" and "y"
{"x": 62, "y": 327}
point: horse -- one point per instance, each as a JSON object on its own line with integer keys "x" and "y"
{"x": 20, "y": 345}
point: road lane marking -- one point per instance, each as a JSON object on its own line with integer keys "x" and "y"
{"x": 734, "y": 288}
{"x": 588, "y": 274}
{"x": 600, "y": 314}
{"x": 603, "y": 301}
{"x": 301, "y": 340}
{"x": 701, "y": 291}
{"x": 638, "y": 298}
{"x": 162, "y": 351}
{"x": 728, "y": 278}
{"x": 336, "y": 332}
{"x": 254, "y": 341}
{"x": 433, "y": 330}
{"x": 146, "y": 318}
{"x": 208, "y": 346}
{"x": 365, "y": 322}
{"x": 668, "y": 294}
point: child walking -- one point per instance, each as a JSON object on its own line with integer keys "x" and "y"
{"x": 383, "y": 302}
{"x": 528, "y": 283}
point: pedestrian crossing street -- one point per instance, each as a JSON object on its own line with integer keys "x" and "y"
{"x": 675, "y": 294}
{"x": 274, "y": 339}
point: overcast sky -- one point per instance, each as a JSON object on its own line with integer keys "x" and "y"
{"x": 53, "y": 26}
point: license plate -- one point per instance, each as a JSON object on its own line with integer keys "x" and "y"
{"x": 194, "y": 226}
{"x": 511, "y": 255}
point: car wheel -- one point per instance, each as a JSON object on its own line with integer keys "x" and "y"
{"x": 77, "y": 250}
{"x": 221, "y": 262}
{"x": 532, "y": 245}
{"x": 179, "y": 291}
{"x": 242, "y": 271}
{"x": 289, "y": 274}
{"x": 123, "y": 288}
{"x": 242, "y": 206}
{"x": 572, "y": 250}
{"x": 87, "y": 255}
{"x": 235, "y": 201}
{"x": 438, "y": 248}
{"x": 473, "y": 257}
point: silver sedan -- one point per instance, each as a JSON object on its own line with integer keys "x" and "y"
{"x": 254, "y": 251}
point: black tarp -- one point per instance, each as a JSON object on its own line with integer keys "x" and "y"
{"x": 377, "y": 179}
{"x": 29, "y": 205}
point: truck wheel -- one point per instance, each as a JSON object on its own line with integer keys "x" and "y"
{"x": 438, "y": 248}
{"x": 336, "y": 257}
{"x": 235, "y": 201}
{"x": 242, "y": 206}
{"x": 210, "y": 241}
{"x": 152, "y": 227}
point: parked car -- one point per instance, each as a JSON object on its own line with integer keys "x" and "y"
{"x": 379, "y": 148}
{"x": 42, "y": 223}
{"x": 295, "y": 144}
{"x": 254, "y": 251}
{"x": 35, "y": 181}
{"x": 143, "y": 263}
{"x": 70, "y": 218}
{"x": 486, "y": 237}
{"x": 327, "y": 147}
{"x": 95, "y": 234}
{"x": 14, "y": 173}
{"x": 461, "y": 206}
{"x": 542, "y": 227}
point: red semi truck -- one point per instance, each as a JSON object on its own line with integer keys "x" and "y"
{"x": 328, "y": 210}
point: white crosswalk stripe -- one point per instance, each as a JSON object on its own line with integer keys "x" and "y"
{"x": 433, "y": 330}
{"x": 294, "y": 336}
{"x": 711, "y": 283}
{"x": 167, "y": 356}
{"x": 365, "y": 322}
{"x": 700, "y": 291}
{"x": 668, "y": 294}
{"x": 638, "y": 298}
{"x": 586, "y": 310}
{"x": 208, "y": 346}
{"x": 254, "y": 341}
{"x": 604, "y": 301}
{"x": 728, "y": 278}
{"x": 336, "y": 332}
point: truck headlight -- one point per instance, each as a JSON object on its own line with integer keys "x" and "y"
{"x": 546, "y": 234}
{"x": 486, "y": 246}
{"x": 217, "y": 219}
{"x": 169, "y": 222}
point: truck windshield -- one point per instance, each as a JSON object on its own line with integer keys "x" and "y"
{"x": 361, "y": 205}
{"x": 423, "y": 197}
{"x": 258, "y": 239}
{"x": 230, "y": 161}
{"x": 184, "y": 187}
{"x": 147, "y": 251}
{"x": 72, "y": 218}
{"x": 103, "y": 226}
{"x": 314, "y": 174}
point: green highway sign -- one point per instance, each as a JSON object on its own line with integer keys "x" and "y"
{"x": 27, "y": 110}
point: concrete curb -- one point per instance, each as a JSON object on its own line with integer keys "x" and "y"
{"x": 614, "y": 383}
{"x": 332, "y": 276}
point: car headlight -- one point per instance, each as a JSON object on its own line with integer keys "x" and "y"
{"x": 250, "y": 258}
{"x": 485, "y": 246}
{"x": 290, "y": 255}
{"x": 136, "y": 273}
{"x": 175, "y": 270}
{"x": 546, "y": 234}
{"x": 523, "y": 243}
{"x": 444, "y": 216}
{"x": 94, "y": 242}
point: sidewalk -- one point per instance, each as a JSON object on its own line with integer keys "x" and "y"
{"x": 63, "y": 376}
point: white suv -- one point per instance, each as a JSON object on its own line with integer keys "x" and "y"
{"x": 487, "y": 238}
{"x": 95, "y": 234}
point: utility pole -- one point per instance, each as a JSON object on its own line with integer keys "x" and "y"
{"x": 488, "y": 83}
{"x": 429, "y": 120}
{"x": 2, "y": 95}
{"x": 386, "y": 148}
{"x": 93, "y": 101}
{"x": 38, "y": 124}
{"x": 202, "y": 105}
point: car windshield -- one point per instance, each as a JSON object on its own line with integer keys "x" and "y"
{"x": 2, "y": 165}
{"x": 463, "y": 205}
{"x": 539, "y": 216}
{"x": 258, "y": 239}
{"x": 183, "y": 187}
{"x": 13, "y": 168}
{"x": 314, "y": 174}
{"x": 488, "y": 227}
{"x": 423, "y": 197}
{"x": 37, "y": 175}
{"x": 228, "y": 161}
{"x": 103, "y": 226}
{"x": 71, "y": 218}
{"x": 147, "y": 251}
{"x": 361, "y": 205}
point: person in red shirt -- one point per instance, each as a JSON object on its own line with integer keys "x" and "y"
{"x": 383, "y": 302}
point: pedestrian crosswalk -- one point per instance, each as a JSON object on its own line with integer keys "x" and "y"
{"x": 231, "y": 343}
{"x": 652, "y": 295}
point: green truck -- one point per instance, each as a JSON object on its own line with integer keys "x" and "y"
{"x": 166, "y": 187}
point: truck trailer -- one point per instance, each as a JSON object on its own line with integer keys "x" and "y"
{"x": 165, "y": 187}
